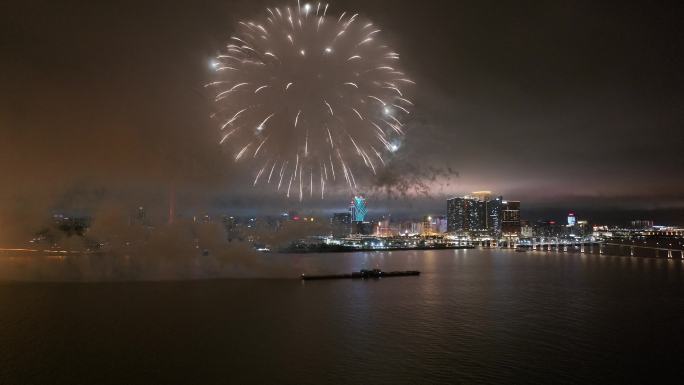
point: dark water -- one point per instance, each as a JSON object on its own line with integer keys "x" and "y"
{"x": 473, "y": 316}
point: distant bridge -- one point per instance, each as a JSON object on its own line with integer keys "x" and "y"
{"x": 558, "y": 244}
{"x": 549, "y": 244}
{"x": 659, "y": 251}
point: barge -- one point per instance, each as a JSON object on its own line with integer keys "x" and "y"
{"x": 363, "y": 274}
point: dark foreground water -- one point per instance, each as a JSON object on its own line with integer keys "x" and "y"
{"x": 473, "y": 316}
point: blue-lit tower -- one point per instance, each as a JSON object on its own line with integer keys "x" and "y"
{"x": 358, "y": 209}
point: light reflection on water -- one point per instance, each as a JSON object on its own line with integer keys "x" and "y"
{"x": 472, "y": 316}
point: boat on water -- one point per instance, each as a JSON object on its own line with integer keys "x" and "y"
{"x": 363, "y": 274}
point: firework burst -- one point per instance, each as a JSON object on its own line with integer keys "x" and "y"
{"x": 307, "y": 98}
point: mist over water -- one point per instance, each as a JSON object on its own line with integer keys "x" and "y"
{"x": 180, "y": 251}
{"x": 116, "y": 246}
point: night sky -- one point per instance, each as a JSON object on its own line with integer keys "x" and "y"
{"x": 562, "y": 105}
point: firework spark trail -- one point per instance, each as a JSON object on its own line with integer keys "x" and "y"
{"x": 289, "y": 185}
{"x": 282, "y": 170}
{"x": 274, "y": 164}
{"x": 259, "y": 174}
{"x": 305, "y": 82}
{"x": 301, "y": 190}
{"x": 332, "y": 166}
{"x": 259, "y": 148}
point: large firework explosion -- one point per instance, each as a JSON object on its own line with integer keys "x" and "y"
{"x": 307, "y": 99}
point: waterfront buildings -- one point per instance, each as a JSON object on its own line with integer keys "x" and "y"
{"x": 460, "y": 212}
{"x": 438, "y": 224}
{"x": 581, "y": 229}
{"x": 548, "y": 229}
{"x": 526, "y": 230}
{"x": 479, "y": 213}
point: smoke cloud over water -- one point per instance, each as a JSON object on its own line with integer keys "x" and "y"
{"x": 117, "y": 246}
{"x": 171, "y": 252}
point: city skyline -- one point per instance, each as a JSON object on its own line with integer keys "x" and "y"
{"x": 499, "y": 212}
{"x": 341, "y": 192}
{"x": 144, "y": 129}
{"x": 404, "y": 208}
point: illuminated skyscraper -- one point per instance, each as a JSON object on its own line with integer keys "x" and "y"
{"x": 510, "y": 223}
{"x": 571, "y": 219}
{"x": 357, "y": 209}
{"x": 475, "y": 213}
{"x": 461, "y": 214}
{"x": 494, "y": 212}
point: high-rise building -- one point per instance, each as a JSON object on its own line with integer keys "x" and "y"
{"x": 342, "y": 218}
{"x": 494, "y": 214}
{"x": 571, "y": 219}
{"x": 462, "y": 214}
{"x": 357, "y": 209}
{"x": 489, "y": 212}
{"x": 357, "y": 213}
{"x": 341, "y": 224}
{"x": 475, "y": 213}
{"x": 510, "y": 218}
{"x": 582, "y": 228}
{"x": 427, "y": 226}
